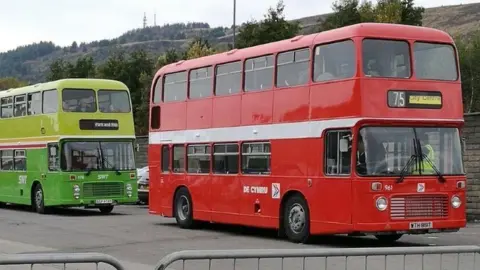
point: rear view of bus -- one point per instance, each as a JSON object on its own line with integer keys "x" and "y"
{"x": 409, "y": 158}
{"x": 70, "y": 143}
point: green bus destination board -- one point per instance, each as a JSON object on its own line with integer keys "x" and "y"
{"x": 414, "y": 99}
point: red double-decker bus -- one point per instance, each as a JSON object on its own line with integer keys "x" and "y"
{"x": 349, "y": 131}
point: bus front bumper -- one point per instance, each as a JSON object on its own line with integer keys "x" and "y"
{"x": 411, "y": 227}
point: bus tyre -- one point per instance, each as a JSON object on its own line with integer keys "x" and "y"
{"x": 106, "y": 209}
{"x": 183, "y": 208}
{"x": 38, "y": 199}
{"x": 296, "y": 219}
{"x": 388, "y": 238}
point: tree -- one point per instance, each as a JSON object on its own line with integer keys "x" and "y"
{"x": 83, "y": 68}
{"x": 199, "y": 48}
{"x": 410, "y": 14}
{"x": 74, "y": 47}
{"x": 10, "y": 82}
{"x": 136, "y": 72}
{"x": 345, "y": 12}
{"x": 57, "y": 70}
{"x": 349, "y": 12}
{"x": 273, "y": 27}
{"x": 388, "y": 11}
{"x": 469, "y": 54}
{"x": 170, "y": 56}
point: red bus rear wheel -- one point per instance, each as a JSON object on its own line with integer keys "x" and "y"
{"x": 296, "y": 219}
{"x": 183, "y": 208}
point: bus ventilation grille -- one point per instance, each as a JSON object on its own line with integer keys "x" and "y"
{"x": 419, "y": 206}
{"x": 109, "y": 189}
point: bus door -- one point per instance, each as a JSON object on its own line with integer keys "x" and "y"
{"x": 334, "y": 193}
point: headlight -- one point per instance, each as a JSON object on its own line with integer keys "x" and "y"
{"x": 381, "y": 203}
{"x": 456, "y": 202}
{"x": 129, "y": 190}
{"x": 76, "y": 191}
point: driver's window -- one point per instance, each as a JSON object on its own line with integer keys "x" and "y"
{"x": 338, "y": 152}
{"x": 53, "y": 157}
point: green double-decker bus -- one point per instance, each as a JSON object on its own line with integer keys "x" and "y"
{"x": 67, "y": 143}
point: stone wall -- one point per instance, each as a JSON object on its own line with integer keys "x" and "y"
{"x": 471, "y": 133}
{"x": 141, "y": 156}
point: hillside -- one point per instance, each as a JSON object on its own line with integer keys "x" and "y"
{"x": 30, "y": 63}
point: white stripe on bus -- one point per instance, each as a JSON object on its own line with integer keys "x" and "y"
{"x": 296, "y": 130}
{"x": 26, "y": 142}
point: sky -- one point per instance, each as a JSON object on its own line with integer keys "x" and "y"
{"x": 23, "y": 22}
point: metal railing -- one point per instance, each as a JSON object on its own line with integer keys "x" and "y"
{"x": 401, "y": 258}
{"x": 60, "y": 258}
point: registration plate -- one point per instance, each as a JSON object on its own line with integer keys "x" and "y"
{"x": 104, "y": 201}
{"x": 421, "y": 225}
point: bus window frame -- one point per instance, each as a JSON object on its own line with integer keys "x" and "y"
{"x": 325, "y": 143}
{"x": 312, "y": 60}
{"x": 309, "y": 64}
{"x": 85, "y": 89}
{"x": 43, "y": 101}
{"x": 455, "y": 54}
{"x": 29, "y": 104}
{"x": 242, "y": 87}
{"x": 273, "y": 77}
{"x": 114, "y": 90}
{"x": 410, "y": 57}
{"x": 212, "y": 86}
{"x": 186, "y": 71}
{"x": 154, "y": 94}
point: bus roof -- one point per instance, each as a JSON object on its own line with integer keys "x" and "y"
{"x": 66, "y": 83}
{"x": 378, "y": 30}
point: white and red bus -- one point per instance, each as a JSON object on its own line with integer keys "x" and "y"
{"x": 350, "y": 131}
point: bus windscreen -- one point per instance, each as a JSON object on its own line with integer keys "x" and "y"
{"x": 95, "y": 155}
{"x": 387, "y": 150}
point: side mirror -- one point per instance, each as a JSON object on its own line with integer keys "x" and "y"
{"x": 343, "y": 145}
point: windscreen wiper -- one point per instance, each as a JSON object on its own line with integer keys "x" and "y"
{"x": 403, "y": 173}
{"x": 105, "y": 160}
{"x": 89, "y": 171}
{"x": 439, "y": 174}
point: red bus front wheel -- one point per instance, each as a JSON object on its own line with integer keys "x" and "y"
{"x": 296, "y": 219}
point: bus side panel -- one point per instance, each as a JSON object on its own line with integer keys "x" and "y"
{"x": 10, "y": 188}
{"x": 37, "y": 163}
{"x": 331, "y": 100}
{"x": 289, "y": 167}
{"x": 291, "y": 104}
{"x": 257, "y": 108}
{"x": 157, "y": 195}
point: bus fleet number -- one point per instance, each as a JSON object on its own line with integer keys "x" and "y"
{"x": 388, "y": 187}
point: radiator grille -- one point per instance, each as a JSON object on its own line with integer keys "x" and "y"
{"x": 419, "y": 206}
{"x": 104, "y": 189}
